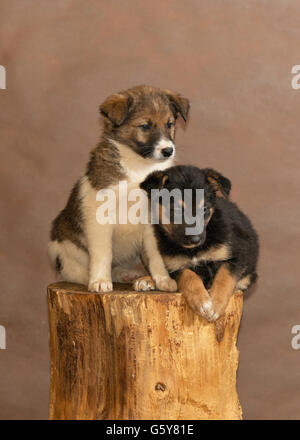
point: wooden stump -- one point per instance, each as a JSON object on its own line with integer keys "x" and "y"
{"x": 134, "y": 355}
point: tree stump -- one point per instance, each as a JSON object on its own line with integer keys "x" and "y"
{"x": 129, "y": 355}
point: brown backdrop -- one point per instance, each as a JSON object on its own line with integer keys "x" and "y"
{"x": 233, "y": 60}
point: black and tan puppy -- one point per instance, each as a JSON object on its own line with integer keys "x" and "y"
{"x": 138, "y": 138}
{"x": 224, "y": 254}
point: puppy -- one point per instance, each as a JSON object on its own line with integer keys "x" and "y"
{"x": 138, "y": 138}
{"x": 224, "y": 253}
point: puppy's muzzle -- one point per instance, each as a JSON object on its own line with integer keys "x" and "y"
{"x": 167, "y": 152}
{"x": 192, "y": 241}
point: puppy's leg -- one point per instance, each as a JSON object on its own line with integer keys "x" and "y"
{"x": 156, "y": 265}
{"x": 100, "y": 250}
{"x": 195, "y": 293}
{"x": 221, "y": 290}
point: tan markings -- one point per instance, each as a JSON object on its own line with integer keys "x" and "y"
{"x": 190, "y": 246}
{"x": 222, "y": 288}
{"x": 215, "y": 253}
{"x": 176, "y": 263}
{"x": 243, "y": 283}
{"x": 211, "y": 210}
{"x": 217, "y": 186}
{"x": 165, "y": 179}
{"x": 167, "y": 228}
{"x": 193, "y": 289}
{"x": 214, "y": 182}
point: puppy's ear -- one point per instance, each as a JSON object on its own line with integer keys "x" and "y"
{"x": 218, "y": 182}
{"x": 155, "y": 180}
{"x": 116, "y": 108}
{"x": 178, "y": 103}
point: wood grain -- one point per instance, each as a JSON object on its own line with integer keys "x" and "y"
{"x": 132, "y": 355}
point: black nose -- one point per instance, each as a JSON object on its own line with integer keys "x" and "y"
{"x": 194, "y": 239}
{"x": 167, "y": 152}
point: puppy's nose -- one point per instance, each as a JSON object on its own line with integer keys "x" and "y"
{"x": 167, "y": 152}
{"x": 194, "y": 239}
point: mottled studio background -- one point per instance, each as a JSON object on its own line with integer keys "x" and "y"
{"x": 233, "y": 59}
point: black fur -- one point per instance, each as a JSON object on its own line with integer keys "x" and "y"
{"x": 227, "y": 226}
{"x": 58, "y": 264}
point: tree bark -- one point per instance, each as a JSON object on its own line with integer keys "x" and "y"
{"x": 129, "y": 355}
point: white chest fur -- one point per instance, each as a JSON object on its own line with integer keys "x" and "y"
{"x": 136, "y": 167}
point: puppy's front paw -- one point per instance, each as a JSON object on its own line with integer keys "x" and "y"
{"x": 100, "y": 286}
{"x": 144, "y": 284}
{"x": 166, "y": 284}
{"x": 196, "y": 295}
{"x": 218, "y": 306}
{"x": 207, "y": 311}
{"x": 200, "y": 303}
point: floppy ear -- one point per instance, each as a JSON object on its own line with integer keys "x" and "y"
{"x": 178, "y": 103}
{"x": 116, "y": 108}
{"x": 218, "y": 182}
{"x": 155, "y": 180}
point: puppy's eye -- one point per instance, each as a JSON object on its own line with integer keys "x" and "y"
{"x": 145, "y": 127}
{"x": 170, "y": 124}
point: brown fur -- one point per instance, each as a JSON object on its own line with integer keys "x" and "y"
{"x": 104, "y": 168}
{"x": 124, "y": 114}
{"x": 244, "y": 283}
{"x": 68, "y": 224}
{"x": 222, "y": 288}
{"x": 193, "y": 289}
{"x": 196, "y": 295}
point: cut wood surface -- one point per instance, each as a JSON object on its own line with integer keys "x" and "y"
{"x": 134, "y": 355}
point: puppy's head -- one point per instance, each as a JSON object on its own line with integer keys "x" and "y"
{"x": 180, "y": 213}
{"x": 144, "y": 119}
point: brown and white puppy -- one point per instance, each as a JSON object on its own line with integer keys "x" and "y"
{"x": 138, "y": 138}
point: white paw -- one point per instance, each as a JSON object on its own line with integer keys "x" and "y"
{"x": 100, "y": 286}
{"x": 166, "y": 284}
{"x": 144, "y": 284}
{"x": 207, "y": 311}
{"x": 215, "y": 316}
